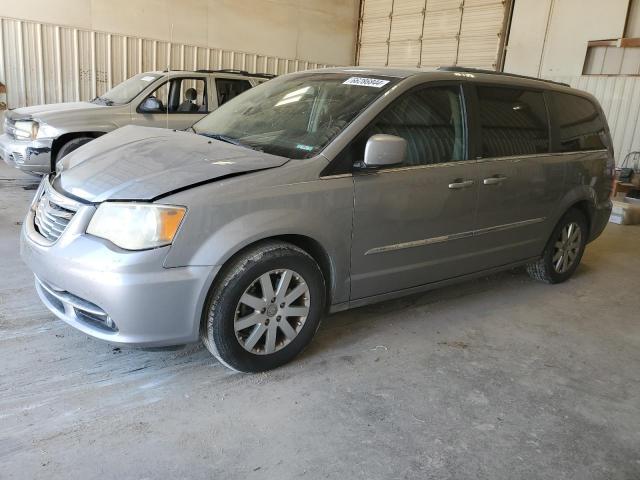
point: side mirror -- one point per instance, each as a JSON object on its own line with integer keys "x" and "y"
{"x": 150, "y": 105}
{"x": 384, "y": 150}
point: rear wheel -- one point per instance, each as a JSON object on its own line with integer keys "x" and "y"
{"x": 564, "y": 249}
{"x": 265, "y": 308}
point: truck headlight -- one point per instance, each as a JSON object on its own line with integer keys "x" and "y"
{"x": 26, "y": 129}
{"x": 136, "y": 226}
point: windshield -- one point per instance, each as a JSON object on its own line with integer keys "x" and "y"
{"x": 127, "y": 90}
{"x": 294, "y": 116}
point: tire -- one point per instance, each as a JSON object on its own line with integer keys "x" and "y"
{"x": 555, "y": 266}
{"x": 275, "y": 332}
{"x": 67, "y": 148}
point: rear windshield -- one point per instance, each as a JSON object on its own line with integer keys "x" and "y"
{"x": 294, "y": 116}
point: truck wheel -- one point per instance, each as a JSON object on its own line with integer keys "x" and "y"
{"x": 67, "y": 148}
{"x": 265, "y": 308}
{"x": 564, "y": 249}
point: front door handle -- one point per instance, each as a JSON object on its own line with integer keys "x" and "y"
{"x": 495, "y": 180}
{"x": 459, "y": 183}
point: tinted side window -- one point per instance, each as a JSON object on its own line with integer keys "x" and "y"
{"x": 512, "y": 122}
{"x": 228, "y": 88}
{"x": 578, "y": 122}
{"x": 429, "y": 119}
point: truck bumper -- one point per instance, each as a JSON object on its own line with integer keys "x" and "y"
{"x": 30, "y": 156}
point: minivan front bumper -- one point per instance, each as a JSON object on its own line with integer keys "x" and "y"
{"x": 120, "y": 296}
{"x": 31, "y": 156}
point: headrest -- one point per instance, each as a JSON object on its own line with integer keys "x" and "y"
{"x": 190, "y": 94}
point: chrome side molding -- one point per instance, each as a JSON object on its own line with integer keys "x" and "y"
{"x": 453, "y": 236}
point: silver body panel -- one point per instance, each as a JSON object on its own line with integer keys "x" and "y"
{"x": 382, "y": 233}
{"x": 34, "y": 156}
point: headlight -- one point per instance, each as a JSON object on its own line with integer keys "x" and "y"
{"x": 47, "y": 131}
{"x": 136, "y": 226}
{"x": 26, "y": 129}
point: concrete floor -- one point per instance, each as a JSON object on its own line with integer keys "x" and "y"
{"x": 499, "y": 378}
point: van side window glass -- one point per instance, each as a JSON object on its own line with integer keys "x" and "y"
{"x": 580, "y": 126}
{"x": 228, "y": 88}
{"x": 512, "y": 122}
{"x": 429, "y": 119}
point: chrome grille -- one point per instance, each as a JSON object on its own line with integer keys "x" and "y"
{"x": 53, "y": 212}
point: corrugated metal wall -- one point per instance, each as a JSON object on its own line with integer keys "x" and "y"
{"x": 431, "y": 33}
{"x": 43, "y": 63}
{"x": 620, "y": 100}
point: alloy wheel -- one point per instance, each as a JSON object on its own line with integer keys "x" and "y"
{"x": 271, "y": 311}
{"x": 567, "y": 247}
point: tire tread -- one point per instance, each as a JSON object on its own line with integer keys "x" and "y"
{"x": 221, "y": 349}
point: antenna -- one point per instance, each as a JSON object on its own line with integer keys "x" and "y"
{"x": 168, "y": 79}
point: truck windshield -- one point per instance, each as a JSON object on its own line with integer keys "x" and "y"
{"x": 294, "y": 116}
{"x": 126, "y": 91}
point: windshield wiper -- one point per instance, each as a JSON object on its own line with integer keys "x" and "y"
{"x": 225, "y": 138}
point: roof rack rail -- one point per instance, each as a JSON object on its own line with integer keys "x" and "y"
{"x": 493, "y": 72}
{"x": 238, "y": 72}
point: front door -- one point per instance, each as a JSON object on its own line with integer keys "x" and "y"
{"x": 183, "y": 102}
{"x": 520, "y": 182}
{"x": 413, "y": 223}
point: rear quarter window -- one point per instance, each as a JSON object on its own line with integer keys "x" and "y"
{"x": 578, "y": 123}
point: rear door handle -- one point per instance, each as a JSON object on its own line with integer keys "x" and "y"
{"x": 495, "y": 180}
{"x": 460, "y": 184}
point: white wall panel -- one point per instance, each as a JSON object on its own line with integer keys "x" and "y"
{"x": 373, "y": 54}
{"x": 550, "y": 37}
{"x": 373, "y": 37}
{"x": 448, "y": 32}
{"x": 377, "y": 8}
{"x": 442, "y": 23}
{"x": 407, "y": 7}
{"x": 44, "y": 63}
{"x": 620, "y": 100}
{"x": 322, "y": 30}
{"x": 439, "y": 51}
{"x": 406, "y": 27}
{"x": 404, "y": 54}
{"x": 434, "y": 5}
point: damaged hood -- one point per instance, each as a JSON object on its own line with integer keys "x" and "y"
{"x": 142, "y": 163}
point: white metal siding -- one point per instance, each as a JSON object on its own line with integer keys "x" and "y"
{"x": 430, "y": 33}
{"x": 42, "y": 63}
{"x": 620, "y": 100}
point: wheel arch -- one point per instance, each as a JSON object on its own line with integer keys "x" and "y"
{"x": 66, "y": 137}
{"x": 587, "y": 208}
{"x": 310, "y": 245}
{"x": 583, "y": 199}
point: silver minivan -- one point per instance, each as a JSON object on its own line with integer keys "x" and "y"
{"x": 313, "y": 193}
{"x": 37, "y": 137}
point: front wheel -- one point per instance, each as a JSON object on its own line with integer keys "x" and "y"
{"x": 265, "y": 308}
{"x": 563, "y": 251}
{"x": 67, "y": 148}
